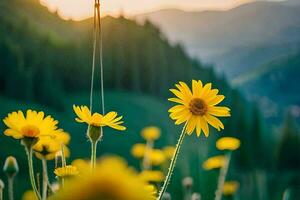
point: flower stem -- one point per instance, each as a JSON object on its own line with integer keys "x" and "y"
{"x": 1, "y": 194}
{"x": 146, "y": 160}
{"x": 93, "y": 154}
{"x": 173, "y": 163}
{"x": 45, "y": 179}
{"x": 31, "y": 172}
{"x": 10, "y": 188}
{"x": 222, "y": 177}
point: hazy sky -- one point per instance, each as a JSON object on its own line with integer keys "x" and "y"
{"x": 78, "y": 9}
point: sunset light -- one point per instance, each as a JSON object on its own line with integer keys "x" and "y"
{"x": 80, "y": 9}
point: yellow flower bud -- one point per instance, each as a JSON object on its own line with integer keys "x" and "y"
{"x": 11, "y": 167}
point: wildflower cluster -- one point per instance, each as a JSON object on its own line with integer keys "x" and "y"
{"x": 111, "y": 178}
{"x": 153, "y": 160}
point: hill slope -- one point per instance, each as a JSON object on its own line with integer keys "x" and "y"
{"x": 278, "y": 82}
{"x": 236, "y": 39}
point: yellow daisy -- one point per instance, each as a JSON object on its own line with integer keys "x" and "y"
{"x": 33, "y": 125}
{"x": 228, "y": 143}
{"x": 48, "y": 147}
{"x": 214, "y": 162}
{"x": 84, "y": 115}
{"x": 151, "y": 133}
{"x": 198, "y": 107}
{"x": 66, "y": 171}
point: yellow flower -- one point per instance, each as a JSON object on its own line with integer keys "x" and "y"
{"x": 49, "y": 146}
{"x": 112, "y": 179}
{"x": 228, "y": 143}
{"x": 151, "y": 133}
{"x": 214, "y": 162}
{"x": 138, "y": 150}
{"x": 156, "y": 157}
{"x": 153, "y": 176}
{"x": 29, "y": 195}
{"x": 198, "y": 107}
{"x": 97, "y": 120}
{"x": 151, "y": 189}
{"x": 34, "y": 125}
{"x": 66, "y": 171}
{"x": 81, "y": 165}
{"x": 230, "y": 188}
{"x": 169, "y": 152}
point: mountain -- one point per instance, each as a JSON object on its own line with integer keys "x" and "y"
{"x": 240, "y": 41}
{"x": 278, "y": 80}
{"x": 236, "y": 39}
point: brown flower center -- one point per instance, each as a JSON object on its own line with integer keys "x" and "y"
{"x": 198, "y": 106}
{"x": 30, "y": 131}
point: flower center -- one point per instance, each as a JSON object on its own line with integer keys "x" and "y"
{"x": 30, "y": 131}
{"x": 198, "y": 107}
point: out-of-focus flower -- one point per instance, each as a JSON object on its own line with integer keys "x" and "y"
{"x": 81, "y": 165}
{"x": 29, "y": 195}
{"x": 228, "y": 143}
{"x": 198, "y": 107}
{"x": 138, "y": 150}
{"x": 169, "y": 152}
{"x": 156, "y": 157}
{"x": 151, "y": 190}
{"x": 187, "y": 182}
{"x": 111, "y": 179}
{"x": 196, "y": 196}
{"x": 11, "y": 167}
{"x": 152, "y": 176}
{"x": 67, "y": 171}
{"x": 230, "y": 188}
{"x": 84, "y": 115}
{"x": 151, "y": 133}
{"x": 214, "y": 162}
{"x": 166, "y": 196}
{"x": 34, "y": 125}
{"x": 49, "y": 146}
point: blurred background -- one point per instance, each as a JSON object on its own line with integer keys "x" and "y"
{"x": 250, "y": 50}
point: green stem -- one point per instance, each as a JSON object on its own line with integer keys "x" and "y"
{"x": 93, "y": 154}
{"x": 11, "y": 188}
{"x": 1, "y": 194}
{"x": 222, "y": 177}
{"x": 45, "y": 179}
{"x": 31, "y": 172}
{"x": 173, "y": 163}
{"x": 63, "y": 157}
{"x": 286, "y": 194}
{"x": 146, "y": 160}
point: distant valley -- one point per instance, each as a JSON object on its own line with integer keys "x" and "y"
{"x": 239, "y": 42}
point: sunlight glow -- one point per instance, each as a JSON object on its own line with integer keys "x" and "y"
{"x": 80, "y": 9}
